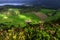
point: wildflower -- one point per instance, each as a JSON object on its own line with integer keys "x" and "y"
{"x": 5, "y": 17}
{"x": 10, "y": 34}
{"x": 21, "y": 33}
{"x": 14, "y": 37}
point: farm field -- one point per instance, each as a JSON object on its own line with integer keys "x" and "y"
{"x": 29, "y": 24}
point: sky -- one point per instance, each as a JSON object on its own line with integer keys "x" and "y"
{"x": 44, "y": 3}
{"x": 17, "y": 2}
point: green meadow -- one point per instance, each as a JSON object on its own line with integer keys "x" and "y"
{"x": 29, "y": 24}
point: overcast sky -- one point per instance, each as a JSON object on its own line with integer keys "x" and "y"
{"x": 14, "y": 1}
{"x": 45, "y": 3}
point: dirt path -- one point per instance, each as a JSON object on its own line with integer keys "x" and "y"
{"x": 40, "y": 15}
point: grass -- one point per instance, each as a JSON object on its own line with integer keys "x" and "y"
{"x": 25, "y": 25}
{"x": 14, "y": 16}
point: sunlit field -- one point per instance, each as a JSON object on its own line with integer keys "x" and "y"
{"x": 29, "y": 24}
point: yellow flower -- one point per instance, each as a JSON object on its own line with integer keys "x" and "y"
{"x": 9, "y": 30}
{"x": 21, "y": 33}
{"x": 7, "y": 38}
{"x": 14, "y": 36}
{"x": 10, "y": 34}
{"x": 21, "y": 36}
{"x": 5, "y": 17}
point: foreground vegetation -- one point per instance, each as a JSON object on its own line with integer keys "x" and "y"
{"x": 23, "y": 24}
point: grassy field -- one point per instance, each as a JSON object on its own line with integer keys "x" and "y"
{"x": 23, "y": 24}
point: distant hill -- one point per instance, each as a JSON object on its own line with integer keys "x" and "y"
{"x": 43, "y": 3}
